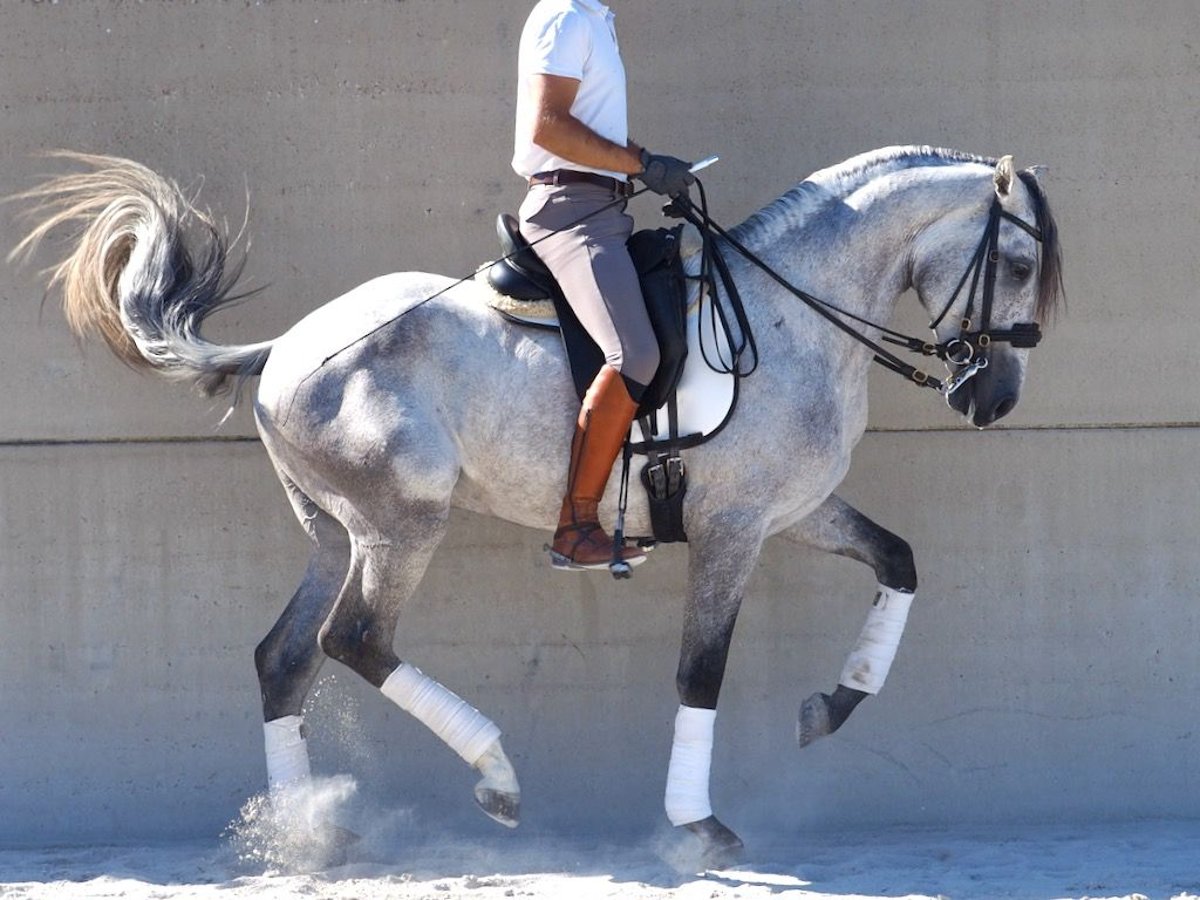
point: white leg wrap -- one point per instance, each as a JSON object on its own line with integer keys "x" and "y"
{"x": 686, "y": 800}
{"x": 869, "y": 662}
{"x": 465, "y": 729}
{"x": 287, "y": 752}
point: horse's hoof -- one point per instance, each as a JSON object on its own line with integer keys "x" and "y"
{"x": 501, "y": 806}
{"x": 814, "y": 721}
{"x": 720, "y": 847}
{"x": 498, "y": 793}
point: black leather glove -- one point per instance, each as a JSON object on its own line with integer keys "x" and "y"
{"x": 666, "y": 174}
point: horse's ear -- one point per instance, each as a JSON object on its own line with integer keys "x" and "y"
{"x": 1005, "y": 173}
{"x": 1038, "y": 172}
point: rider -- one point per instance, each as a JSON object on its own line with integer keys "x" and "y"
{"x": 573, "y": 147}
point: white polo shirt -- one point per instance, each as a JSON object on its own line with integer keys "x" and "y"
{"x": 574, "y": 39}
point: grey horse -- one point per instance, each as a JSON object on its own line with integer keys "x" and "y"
{"x": 384, "y": 409}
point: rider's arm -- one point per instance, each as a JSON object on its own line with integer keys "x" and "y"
{"x": 556, "y": 130}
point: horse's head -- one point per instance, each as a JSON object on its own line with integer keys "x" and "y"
{"x": 988, "y": 273}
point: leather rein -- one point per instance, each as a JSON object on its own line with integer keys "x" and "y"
{"x": 968, "y": 351}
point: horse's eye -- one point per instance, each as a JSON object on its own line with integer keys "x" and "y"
{"x": 1020, "y": 269}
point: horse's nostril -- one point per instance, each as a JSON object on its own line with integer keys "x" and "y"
{"x": 988, "y": 415}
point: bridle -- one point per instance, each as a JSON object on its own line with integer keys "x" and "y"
{"x": 968, "y": 352}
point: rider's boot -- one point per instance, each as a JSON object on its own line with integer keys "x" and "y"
{"x": 604, "y": 419}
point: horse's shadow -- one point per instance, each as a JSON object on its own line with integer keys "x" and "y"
{"x": 663, "y": 861}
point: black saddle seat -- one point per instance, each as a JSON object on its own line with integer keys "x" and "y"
{"x": 519, "y": 273}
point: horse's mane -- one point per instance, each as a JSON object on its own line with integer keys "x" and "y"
{"x": 837, "y": 182}
{"x": 1051, "y": 294}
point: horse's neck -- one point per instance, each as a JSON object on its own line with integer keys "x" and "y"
{"x": 854, "y": 251}
{"x": 850, "y": 249}
{"x": 847, "y": 251}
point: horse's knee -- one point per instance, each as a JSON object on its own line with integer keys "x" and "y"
{"x": 896, "y": 567}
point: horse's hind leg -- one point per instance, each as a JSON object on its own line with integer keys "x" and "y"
{"x": 289, "y": 657}
{"x": 836, "y": 527}
{"x": 385, "y": 570}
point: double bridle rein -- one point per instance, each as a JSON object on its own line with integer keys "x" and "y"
{"x": 968, "y": 352}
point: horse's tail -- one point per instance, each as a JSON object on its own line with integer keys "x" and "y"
{"x": 148, "y": 267}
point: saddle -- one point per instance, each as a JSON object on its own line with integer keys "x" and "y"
{"x": 520, "y": 275}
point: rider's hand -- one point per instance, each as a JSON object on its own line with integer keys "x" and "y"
{"x": 666, "y": 174}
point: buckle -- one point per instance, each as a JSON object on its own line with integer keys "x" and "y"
{"x": 665, "y": 478}
{"x": 675, "y": 472}
{"x": 657, "y": 475}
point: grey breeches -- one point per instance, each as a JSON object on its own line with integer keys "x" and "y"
{"x": 592, "y": 265}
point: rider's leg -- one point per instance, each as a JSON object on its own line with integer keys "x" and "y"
{"x": 604, "y": 419}
{"x": 592, "y": 265}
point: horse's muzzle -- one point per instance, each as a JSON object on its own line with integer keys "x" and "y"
{"x": 990, "y": 395}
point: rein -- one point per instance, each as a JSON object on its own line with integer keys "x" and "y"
{"x": 968, "y": 351}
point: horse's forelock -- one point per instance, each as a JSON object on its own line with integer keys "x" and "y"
{"x": 1051, "y": 294}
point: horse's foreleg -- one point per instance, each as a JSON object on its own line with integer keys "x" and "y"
{"x": 466, "y": 731}
{"x": 719, "y": 565}
{"x": 384, "y": 573}
{"x": 289, "y": 657}
{"x": 836, "y": 527}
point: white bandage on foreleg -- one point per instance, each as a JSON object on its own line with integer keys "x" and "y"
{"x": 287, "y": 752}
{"x": 869, "y": 662}
{"x": 466, "y": 730}
{"x": 686, "y": 799}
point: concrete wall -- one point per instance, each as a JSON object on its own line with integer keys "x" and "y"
{"x": 1050, "y": 670}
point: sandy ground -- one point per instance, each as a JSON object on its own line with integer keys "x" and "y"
{"x": 1155, "y": 859}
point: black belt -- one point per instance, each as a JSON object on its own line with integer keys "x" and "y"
{"x": 572, "y": 176}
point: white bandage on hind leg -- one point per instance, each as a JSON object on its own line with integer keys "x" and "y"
{"x": 287, "y": 752}
{"x": 686, "y": 799}
{"x": 869, "y": 662}
{"x": 466, "y": 730}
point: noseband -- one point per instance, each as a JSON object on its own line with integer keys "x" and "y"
{"x": 969, "y": 351}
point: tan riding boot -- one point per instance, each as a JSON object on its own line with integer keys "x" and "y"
{"x": 604, "y": 419}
